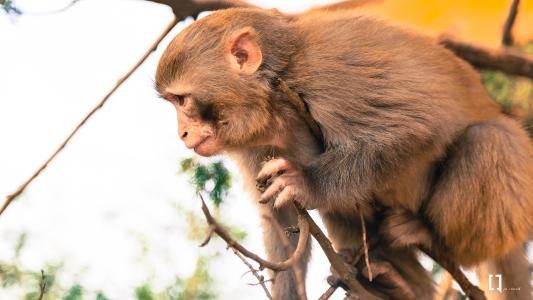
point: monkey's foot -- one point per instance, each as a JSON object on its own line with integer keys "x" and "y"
{"x": 401, "y": 229}
{"x": 386, "y": 283}
{"x": 282, "y": 181}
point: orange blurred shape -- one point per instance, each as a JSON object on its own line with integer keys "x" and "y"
{"x": 478, "y": 21}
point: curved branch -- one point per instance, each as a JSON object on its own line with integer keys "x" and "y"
{"x": 275, "y": 266}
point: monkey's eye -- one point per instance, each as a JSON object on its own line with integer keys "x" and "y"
{"x": 180, "y": 99}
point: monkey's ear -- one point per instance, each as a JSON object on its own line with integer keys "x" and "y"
{"x": 243, "y": 51}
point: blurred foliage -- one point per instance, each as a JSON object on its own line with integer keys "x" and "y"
{"x": 214, "y": 173}
{"x": 198, "y": 286}
{"x": 100, "y": 296}
{"x": 144, "y": 292}
{"x": 514, "y": 94}
{"x": 9, "y": 7}
{"x": 75, "y": 292}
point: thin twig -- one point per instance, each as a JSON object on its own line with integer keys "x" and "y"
{"x": 42, "y": 286}
{"x": 258, "y": 283}
{"x": 440, "y": 255}
{"x": 365, "y": 246}
{"x": 329, "y": 292}
{"x": 121, "y": 80}
{"x": 275, "y": 266}
{"x": 507, "y": 35}
{"x": 260, "y": 278}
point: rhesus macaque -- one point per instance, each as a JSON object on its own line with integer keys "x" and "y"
{"x": 411, "y": 137}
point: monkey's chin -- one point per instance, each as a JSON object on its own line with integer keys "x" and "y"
{"x": 208, "y": 147}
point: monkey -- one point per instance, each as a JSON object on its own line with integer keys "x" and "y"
{"x": 411, "y": 139}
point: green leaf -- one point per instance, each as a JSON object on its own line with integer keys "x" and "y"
{"x": 74, "y": 293}
{"x": 202, "y": 174}
{"x": 144, "y": 292}
{"x": 100, "y": 296}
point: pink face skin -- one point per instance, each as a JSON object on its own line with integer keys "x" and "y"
{"x": 195, "y": 133}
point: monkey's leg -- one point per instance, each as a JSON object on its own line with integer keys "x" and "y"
{"x": 482, "y": 207}
{"x": 397, "y": 273}
{"x": 285, "y": 283}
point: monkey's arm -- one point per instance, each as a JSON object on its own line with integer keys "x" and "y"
{"x": 340, "y": 174}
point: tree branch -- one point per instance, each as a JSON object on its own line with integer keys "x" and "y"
{"x": 42, "y": 286}
{"x": 347, "y": 276}
{"x": 504, "y": 60}
{"x": 507, "y": 35}
{"x": 260, "y": 279}
{"x": 186, "y": 8}
{"x": 121, "y": 80}
{"x": 275, "y": 266}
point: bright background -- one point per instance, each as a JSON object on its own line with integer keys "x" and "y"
{"x": 110, "y": 206}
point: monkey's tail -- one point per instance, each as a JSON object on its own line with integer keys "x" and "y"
{"x": 506, "y": 278}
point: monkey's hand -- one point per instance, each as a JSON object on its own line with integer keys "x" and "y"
{"x": 283, "y": 181}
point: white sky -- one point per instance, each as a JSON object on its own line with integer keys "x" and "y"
{"x": 115, "y": 186}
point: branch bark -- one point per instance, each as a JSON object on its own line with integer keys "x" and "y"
{"x": 336, "y": 261}
{"x": 504, "y": 60}
{"x": 186, "y": 8}
{"x": 263, "y": 263}
{"x": 507, "y": 35}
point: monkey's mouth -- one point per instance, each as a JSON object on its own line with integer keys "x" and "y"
{"x": 200, "y": 143}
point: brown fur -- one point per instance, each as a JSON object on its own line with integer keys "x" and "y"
{"x": 407, "y": 126}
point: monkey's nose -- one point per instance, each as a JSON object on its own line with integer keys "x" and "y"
{"x": 184, "y": 135}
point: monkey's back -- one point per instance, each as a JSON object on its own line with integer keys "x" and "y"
{"x": 370, "y": 65}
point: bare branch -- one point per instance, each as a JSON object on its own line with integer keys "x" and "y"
{"x": 275, "y": 266}
{"x": 260, "y": 279}
{"x": 185, "y": 8}
{"x": 365, "y": 246}
{"x": 347, "y": 275}
{"x": 507, "y": 35}
{"x": 504, "y": 60}
{"x": 328, "y": 293}
{"x": 440, "y": 255}
{"x": 42, "y": 286}
{"x": 121, "y": 80}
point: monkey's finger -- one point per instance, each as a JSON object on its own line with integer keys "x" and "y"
{"x": 263, "y": 185}
{"x": 273, "y": 190}
{"x": 285, "y": 196}
{"x": 271, "y": 168}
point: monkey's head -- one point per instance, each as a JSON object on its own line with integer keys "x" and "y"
{"x": 217, "y": 74}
